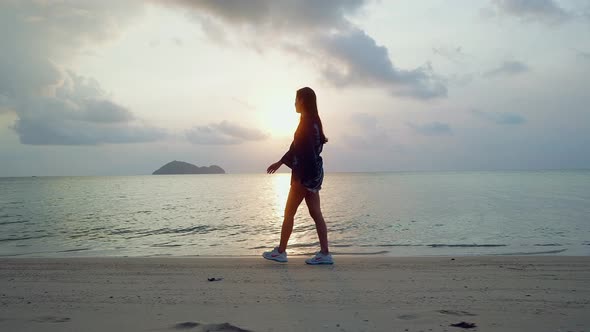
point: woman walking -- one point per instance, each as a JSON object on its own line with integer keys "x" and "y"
{"x": 307, "y": 174}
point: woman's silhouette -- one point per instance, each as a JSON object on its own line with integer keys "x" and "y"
{"x": 307, "y": 174}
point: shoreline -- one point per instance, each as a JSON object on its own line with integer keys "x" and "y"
{"x": 346, "y": 257}
{"x": 368, "y": 293}
{"x": 397, "y": 251}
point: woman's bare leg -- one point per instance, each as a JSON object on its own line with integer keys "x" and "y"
{"x": 313, "y": 204}
{"x": 296, "y": 195}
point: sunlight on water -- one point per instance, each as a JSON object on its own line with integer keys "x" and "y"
{"x": 281, "y": 185}
{"x": 241, "y": 214}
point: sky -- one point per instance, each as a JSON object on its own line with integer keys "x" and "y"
{"x": 123, "y": 87}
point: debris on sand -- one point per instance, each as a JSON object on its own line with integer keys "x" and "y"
{"x": 186, "y": 325}
{"x": 223, "y": 327}
{"x": 464, "y": 325}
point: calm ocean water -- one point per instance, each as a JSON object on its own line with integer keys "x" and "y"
{"x": 400, "y": 214}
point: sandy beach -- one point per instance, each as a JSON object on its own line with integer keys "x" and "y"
{"x": 358, "y": 293}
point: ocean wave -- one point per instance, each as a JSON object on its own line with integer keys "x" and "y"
{"x": 22, "y": 238}
{"x": 533, "y": 253}
{"x": 391, "y": 245}
{"x": 465, "y": 245}
{"x": 348, "y": 253}
{"x": 13, "y": 222}
{"x": 74, "y": 250}
{"x": 165, "y": 245}
{"x": 121, "y": 231}
{"x": 200, "y": 229}
{"x": 297, "y": 245}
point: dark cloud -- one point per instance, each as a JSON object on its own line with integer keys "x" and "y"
{"x": 63, "y": 29}
{"x": 60, "y": 131}
{"x": 431, "y": 129}
{"x": 546, "y": 11}
{"x": 223, "y": 133}
{"x": 317, "y": 31}
{"x": 356, "y": 59}
{"x": 508, "y": 68}
{"x": 55, "y": 106}
{"x": 501, "y": 118}
{"x": 78, "y": 114}
{"x": 275, "y": 15}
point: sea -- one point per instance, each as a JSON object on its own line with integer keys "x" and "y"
{"x": 393, "y": 214}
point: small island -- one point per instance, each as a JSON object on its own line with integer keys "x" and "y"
{"x": 181, "y": 167}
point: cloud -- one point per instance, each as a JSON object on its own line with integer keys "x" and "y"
{"x": 223, "y": 133}
{"x": 364, "y": 121}
{"x": 367, "y": 134}
{"x": 501, "y": 118}
{"x": 461, "y": 79}
{"x": 56, "y": 106}
{"x": 431, "y": 129}
{"x": 275, "y": 15}
{"x": 545, "y": 11}
{"x": 60, "y": 131}
{"x": 319, "y": 32}
{"x": 356, "y": 59}
{"x": 454, "y": 54}
{"x": 78, "y": 113}
{"x": 508, "y": 68}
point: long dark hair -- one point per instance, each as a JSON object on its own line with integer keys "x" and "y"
{"x": 310, "y": 109}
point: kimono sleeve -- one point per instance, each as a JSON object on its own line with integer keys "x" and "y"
{"x": 289, "y": 157}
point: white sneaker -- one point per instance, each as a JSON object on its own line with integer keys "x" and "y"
{"x": 320, "y": 258}
{"x": 275, "y": 255}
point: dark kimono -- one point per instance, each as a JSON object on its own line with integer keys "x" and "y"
{"x": 303, "y": 156}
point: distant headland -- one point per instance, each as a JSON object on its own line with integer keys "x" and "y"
{"x": 181, "y": 167}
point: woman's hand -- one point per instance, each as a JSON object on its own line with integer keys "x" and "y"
{"x": 273, "y": 168}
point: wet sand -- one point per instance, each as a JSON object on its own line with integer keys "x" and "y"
{"x": 358, "y": 293}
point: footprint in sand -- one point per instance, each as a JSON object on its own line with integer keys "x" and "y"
{"x": 198, "y": 327}
{"x": 455, "y": 313}
{"x": 51, "y": 319}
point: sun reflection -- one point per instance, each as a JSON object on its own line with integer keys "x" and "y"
{"x": 281, "y": 185}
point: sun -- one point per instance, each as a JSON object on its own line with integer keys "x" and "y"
{"x": 277, "y": 115}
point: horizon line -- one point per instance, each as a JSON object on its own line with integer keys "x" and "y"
{"x": 328, "y": 172}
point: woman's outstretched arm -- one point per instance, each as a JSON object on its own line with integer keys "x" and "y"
{"x": 274, "y": 167}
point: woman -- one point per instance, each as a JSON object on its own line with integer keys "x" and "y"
{"x": 307, "y": 174}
